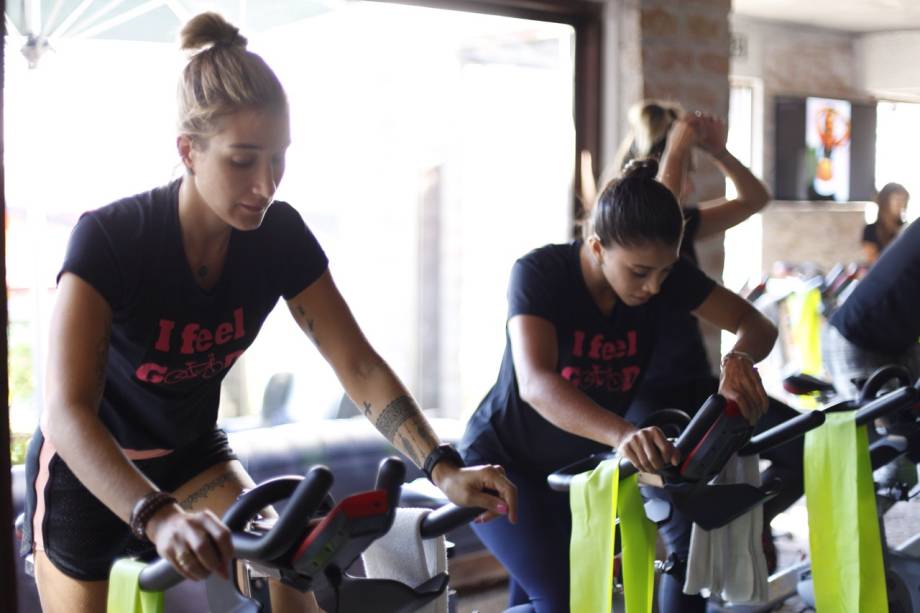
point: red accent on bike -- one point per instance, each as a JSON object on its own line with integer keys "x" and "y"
{"x": 731, "y": 410}
{"x": 365, "y": 504}
{"x": 356, "y": 506}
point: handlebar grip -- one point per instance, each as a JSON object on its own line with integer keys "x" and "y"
{"x": 253, "y": 501}
{"x": 627, "y": 469}
{"x": 889, "y": 403}
{"x": 880, "y": 377}
{"x": 444, "y": 519}
{"x": 391, "y": 472}
{"x": 304, "y": 502}
{"x": 783, "y": 433}
{"x": 700, "y": 424}
{"x": 161, "y": 575}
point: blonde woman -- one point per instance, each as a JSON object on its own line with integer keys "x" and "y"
{"x": 158, "y": 295}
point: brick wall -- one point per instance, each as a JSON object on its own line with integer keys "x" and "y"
{"x": 832, "y": 234}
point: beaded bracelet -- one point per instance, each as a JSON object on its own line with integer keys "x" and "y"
{"x": 737, "y": 354}
{"x": 144, "y": 509}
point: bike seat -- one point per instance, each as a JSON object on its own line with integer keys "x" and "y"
{"x": 801, "y": 384}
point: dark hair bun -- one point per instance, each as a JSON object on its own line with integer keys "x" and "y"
{"x": 641, "y": 169}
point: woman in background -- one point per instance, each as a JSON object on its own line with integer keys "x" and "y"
{"x": 679, "y": 374}
{"x": 583, "y": 320}
{"x": 892, "y": 204}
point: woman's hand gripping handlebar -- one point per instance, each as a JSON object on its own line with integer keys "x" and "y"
{"x": 484, "y": 487}
{"x": 305, "y": 500}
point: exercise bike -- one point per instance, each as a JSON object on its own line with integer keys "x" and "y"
{"x": 712, "y": 506}
{"x": 313, "y": 544}
{"x": 897, "y": 439}
{"x": 706, "y": 443}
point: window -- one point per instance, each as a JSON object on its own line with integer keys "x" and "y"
{"x": 743, "y": 262}
{"x": 895, "y": 156}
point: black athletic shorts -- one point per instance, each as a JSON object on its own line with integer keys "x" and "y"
{"x": 78, "y": 533}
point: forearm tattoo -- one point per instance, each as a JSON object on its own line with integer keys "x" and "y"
{"x": 409, "y": 449}
{"x": 417, "y": 439}
{"x": 394, "y": 416}
{"x": 425, "y": 435}
{"x": 202, "y": 492}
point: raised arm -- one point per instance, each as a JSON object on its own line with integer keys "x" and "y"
{"x": 80, "y": 330}
{"x": 755, "y": 337}
{"x": 533, "y": 349}
{"x": 752, "y": 196}
{"x": 323, "y": 315}
{"x": 675, "y": 161}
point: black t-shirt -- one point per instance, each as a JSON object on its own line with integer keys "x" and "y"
{"x": 172, "y": 342}
{"x": 883, "y": 312}
{"x": 680, "y": 355}
{"x": 870, "y": 235}
{"x": 603, "y": 355}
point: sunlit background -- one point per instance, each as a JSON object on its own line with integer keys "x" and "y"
{"x": 430, "y": 149}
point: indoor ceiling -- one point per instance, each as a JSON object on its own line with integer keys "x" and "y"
{"x": 848, "y": 15}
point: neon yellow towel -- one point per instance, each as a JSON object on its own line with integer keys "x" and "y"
{"x": 806, "y": 330}
{"x": 846, "y": 547}
{"x": 596, "y": 497}
{"x": 125, "y": 595}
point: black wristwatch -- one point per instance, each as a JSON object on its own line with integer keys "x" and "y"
{"x": 439, "y": 453}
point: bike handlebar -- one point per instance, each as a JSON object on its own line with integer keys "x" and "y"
{"x": 308, "y": 494}
{"x": 783, "y": 433}
{"x": 868, "y": 411}
{"x": 701, "y": 423}
{"x": 444, "y": 519}
{"x": 880, "y": 377}
{"x": 306, "y": 499}
{"x": 889, "y": 403}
